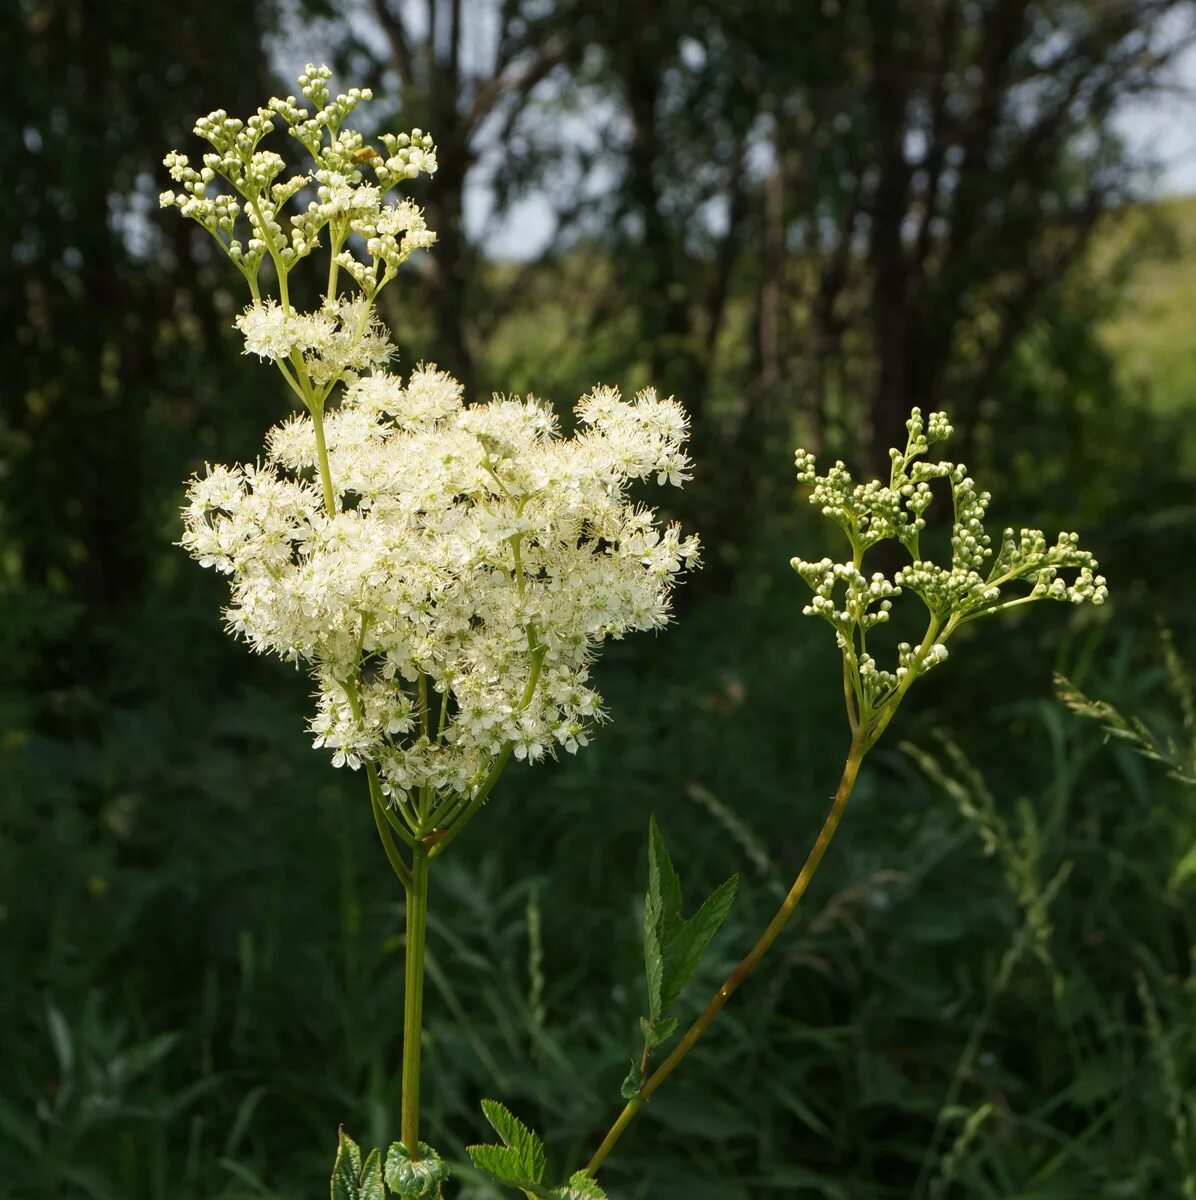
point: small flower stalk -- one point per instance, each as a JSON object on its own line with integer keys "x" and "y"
{"x": 979, "y": 581}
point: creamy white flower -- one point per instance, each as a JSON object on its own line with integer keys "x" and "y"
{"x": 273, "y": 332}
{"x": 340, "y": 196}
{"x": 475, "y": 564}
{"x": 345, "y": 336}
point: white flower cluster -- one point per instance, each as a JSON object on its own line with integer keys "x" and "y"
{"x": 452, "y": 604}
{"x": 345, "y": 336}
{"x": 971, "y": 586}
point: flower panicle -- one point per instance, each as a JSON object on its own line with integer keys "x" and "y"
{"x": 242, "y": 197}
{"x": 981, "y": 578}
{"x": 450, "y": 608}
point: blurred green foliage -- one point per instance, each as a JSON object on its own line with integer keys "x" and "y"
{"x": 989, "y": 991}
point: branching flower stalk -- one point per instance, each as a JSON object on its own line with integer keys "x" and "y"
{"x": 979, "y": 581}
{"x": 446, "y": 572}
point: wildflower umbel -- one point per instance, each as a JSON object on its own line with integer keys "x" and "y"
{"x": 975, "y": 584}
{"x": 452, "y": 604}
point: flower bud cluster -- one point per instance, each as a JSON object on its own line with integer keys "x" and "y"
{"x": 969, "y": 586}
{"x": 866, "y": 601}
{"x": 452, "y": 604}
{"x": 344, "y": 200}
{"x": 309, "y": 127}
{"x": 872, "y": 512}
{"x": 392, "y": 233}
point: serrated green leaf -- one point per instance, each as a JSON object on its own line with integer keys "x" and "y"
{"x": 653, "y": 954}
{"x": 580, "y": 1187}
{"x": 662, "y": 914}
{"x": 419, "y": 1180}
{"x": 653, "y": 917}
{"x": 524, "y": 1142}
{"x": 372, "y": 1187}
{"x": 346, "y": 1170}
{"x": 673, "y": 946}
{"x": 634, "y": 1081}
{"x": 351, "y": 1179}
{"x": 683, "y": 950}
{"x": 501, "y": 1163}
{"x": 657, "y": 1032}
{"x": 663, "y": 882}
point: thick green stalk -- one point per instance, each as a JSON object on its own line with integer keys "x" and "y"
{"x": 851, "y": 769}
{"x": 413, "y": 998}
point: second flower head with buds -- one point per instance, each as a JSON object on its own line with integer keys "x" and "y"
{"x": 976, "y": 582}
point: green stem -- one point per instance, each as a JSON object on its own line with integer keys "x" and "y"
{"x": 888, "y": 709}
{"x": 382, "y": 817}
{"x": 292, "y": 383}
{"x": 851, "y": 769}
{"x": 335, "y": 242}
{"x": 272, "y": 250}
{"x": 323, "y": 393}
{"x": 317, "y": 420}
{"x": 413, "y": 998}
{"x": 378, "y": 804}
{"x": 460, "y": 817}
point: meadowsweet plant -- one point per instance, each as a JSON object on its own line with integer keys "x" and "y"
{"x": 446, "y": 572}
{"x": 981, "y": 577}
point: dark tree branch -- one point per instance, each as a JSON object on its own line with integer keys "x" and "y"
{"x": 521, "y": 80}
{"x": 454, "y": 61}
{"x": 936, "y": 155}
{"x": 396, "y": 34}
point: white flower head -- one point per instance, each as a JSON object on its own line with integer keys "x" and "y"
{"x": 475, "y": 564}
{"x": 346, "y": 336}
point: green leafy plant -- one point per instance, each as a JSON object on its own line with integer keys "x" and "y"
{"x": 520, "y": 1160}
{"x": 446, "y": 572}
{"x": 401, "y": 1175}
{"x": 353, "y": 1179}
{"x": 673, "y": 946}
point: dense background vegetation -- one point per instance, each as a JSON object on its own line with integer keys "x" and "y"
{"x": 801, "y": 219}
